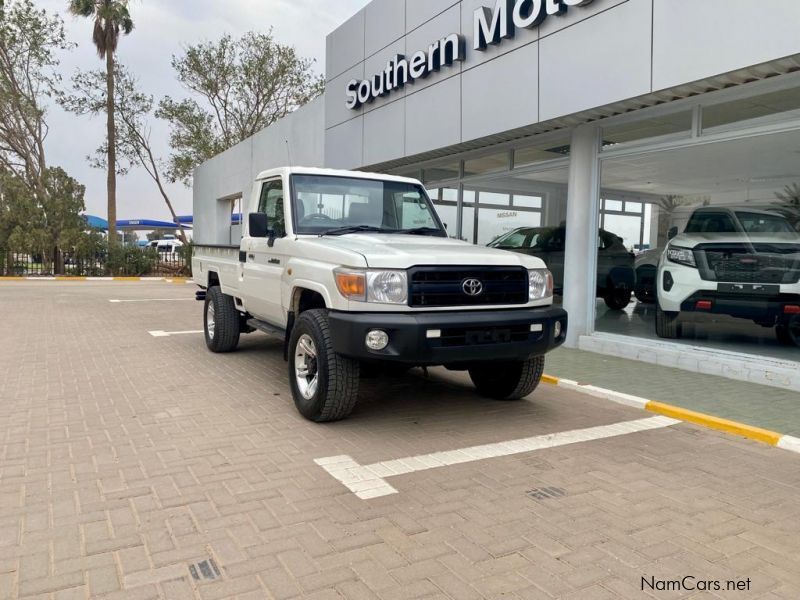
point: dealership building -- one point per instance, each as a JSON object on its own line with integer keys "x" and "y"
{"x": 582, "y": 131}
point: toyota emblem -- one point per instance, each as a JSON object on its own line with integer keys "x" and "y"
{"x": 472, "y": 287}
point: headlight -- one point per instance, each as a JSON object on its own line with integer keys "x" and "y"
{"x": 387, "y": 287}
{"x": 381, "y": 287}
{"x": 540, "y": 284}
{"x": 682, "y": 256}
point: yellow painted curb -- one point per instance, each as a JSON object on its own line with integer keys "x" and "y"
{"x": 12, "y": 278}
{"x": 754, "y": 433}
{"x": 69, "y": 278}
{"x": 682, "y": 414}
{"x": 550, "y": 379}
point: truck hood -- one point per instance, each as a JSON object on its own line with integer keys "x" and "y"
{"x": 398, "y": 251}
{"x": 690, "y": 240}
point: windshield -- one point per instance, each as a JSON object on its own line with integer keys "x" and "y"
{"x": 761, "y": 223}
{"x": 330, "y": 204}
{"x": 518, "y": 238}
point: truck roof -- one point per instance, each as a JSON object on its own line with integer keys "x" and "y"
{"x": 735, "y": 209}
{"x": 332, "y": 173}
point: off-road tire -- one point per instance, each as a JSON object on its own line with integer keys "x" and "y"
{"x": 337, "y": 387}
{"x": 507, "y": 380}
{"x": 617, "y": 299}
{"x": 668, "y": 324}
{"x": 786, "y": 335}
{"x": 225, "y": 335}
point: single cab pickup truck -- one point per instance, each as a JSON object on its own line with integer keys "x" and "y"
{"x": 355, "y": 272}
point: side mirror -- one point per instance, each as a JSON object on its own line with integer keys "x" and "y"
{"x": 257, "y": 225}
{"x": 673, "y": 231}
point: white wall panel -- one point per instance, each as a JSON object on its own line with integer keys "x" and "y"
{"x": 433, "y": 117}
{"x": 377, "y": 63}
{"x": 521, "y": 38}
{"x": 226, "y": 174}
{"x": 693, "y": 40}
{"x": 344, "y": 145}
{"x": 597, "y": 61}
{"x": 336, "y": 110}
{"x": 576, "y": 14}
{"x": 501, "y": 94}
{"x": 385, "y": 133}
{"x": 344, "y": 47}
{"x": 420, "y": 11}
{"x": 297, "y": 139}
{"x": 385, "y": 22}
{"x": 434, "y": 30}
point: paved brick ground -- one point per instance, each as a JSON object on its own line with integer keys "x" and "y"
{"x": 129, "y": 462}
{"x": 768, "y": 407}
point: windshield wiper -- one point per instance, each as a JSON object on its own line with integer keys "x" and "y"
{"x": 357, "y": 229}
{"x": 423, "y": 231}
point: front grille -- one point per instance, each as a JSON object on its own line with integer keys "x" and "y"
{"x": 443, "y": 286}
{"x": 749, "y": 263}
{"x": 463, "y": 336}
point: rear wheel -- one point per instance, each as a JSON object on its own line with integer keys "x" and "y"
{"x": 617, "y": 299}
{"x": 509, "y": 380}
{"x": 668, "y": 324}
{"x": 220, "y": 321}
{"x": 324, "y": 384}
{"x": 789, "y": 333}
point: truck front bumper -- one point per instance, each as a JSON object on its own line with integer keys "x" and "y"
{"x": 451, "y": 338}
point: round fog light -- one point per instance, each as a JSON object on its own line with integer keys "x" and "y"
{"x": 557, "y": 329}
{"x": 377, "y": 339}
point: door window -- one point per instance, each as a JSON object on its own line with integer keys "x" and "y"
{"x": 271, "y": 204}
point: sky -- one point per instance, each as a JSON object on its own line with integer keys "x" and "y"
{"x": 162, "y": 29}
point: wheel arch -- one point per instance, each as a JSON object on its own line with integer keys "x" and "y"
{"x": 304, "y": 296}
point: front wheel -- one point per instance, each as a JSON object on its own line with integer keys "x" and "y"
{"x": 324, "y": 384}
{"x": 220, "y": 321}
{"x": 668, "y": 324}
{"x": 511, "y": 380}
{"x": 617, "y": 299}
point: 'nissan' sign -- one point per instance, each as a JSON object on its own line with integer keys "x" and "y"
{"x": 490, "y": 26}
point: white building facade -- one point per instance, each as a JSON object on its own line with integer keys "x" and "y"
{"x": 579, "y": 130}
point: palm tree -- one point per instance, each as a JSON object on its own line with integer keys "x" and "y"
{"x": 789, "y": 205}
{"x": 110, "y": 18}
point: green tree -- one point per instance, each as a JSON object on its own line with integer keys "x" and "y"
{"x": 30, "y": 40}
{"x": 133, "y": 111}
{"x": 238, "y": 87}
{"x": 46, "y": 226}
{"x": 111, "y": 17}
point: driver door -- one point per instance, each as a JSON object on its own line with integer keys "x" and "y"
{"x": 265, "y": 258}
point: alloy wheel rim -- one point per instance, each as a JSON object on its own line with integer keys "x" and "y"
{"x": 305, "y": 366}
{"x": 210, "y": 320}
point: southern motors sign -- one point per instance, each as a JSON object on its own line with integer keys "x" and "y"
{"x": 490, "y": 26}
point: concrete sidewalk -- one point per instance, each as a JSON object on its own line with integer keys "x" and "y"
{"x": 762, "y": 406}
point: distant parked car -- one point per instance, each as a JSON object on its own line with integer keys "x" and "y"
{"x": 166, "y": 247}
{"x": 615, "y": 275}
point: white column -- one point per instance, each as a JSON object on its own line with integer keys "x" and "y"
{"x": 580, "y": 257}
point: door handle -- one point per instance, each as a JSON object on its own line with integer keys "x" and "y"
{"x": 251, "y": 257}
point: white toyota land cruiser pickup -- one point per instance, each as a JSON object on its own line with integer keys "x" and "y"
{"x": 356, "y": 270}
{"x": 740, "y": 262}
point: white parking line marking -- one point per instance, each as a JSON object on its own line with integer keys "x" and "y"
{"x": 369, "y": 481}
{"x": 159, "y": 333}
{"x": 117, "y": 301}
